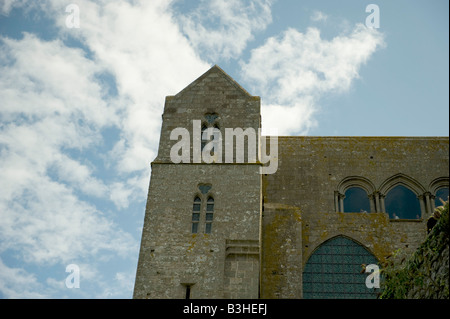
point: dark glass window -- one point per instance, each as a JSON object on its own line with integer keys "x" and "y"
{"x": 197, "y": 205}
{"x": 196, "y": 214}
{"x": 188, "y": 292}
{"x": 402, "y": 203}
{"x": 334, "y": 271}
{"x": 194, "y": 228}
{"x": 210, "y": 205}
{"x": 356, "y": 201}
{"x": 441, "y": 194}
{"x": 209, "y": 215}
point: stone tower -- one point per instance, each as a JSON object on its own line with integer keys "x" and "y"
{"x": 202, "y": 227}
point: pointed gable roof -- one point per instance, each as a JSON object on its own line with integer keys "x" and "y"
{"x": 217, "y": 72}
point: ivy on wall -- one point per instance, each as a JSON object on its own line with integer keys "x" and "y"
{"x": 425, "y": 274}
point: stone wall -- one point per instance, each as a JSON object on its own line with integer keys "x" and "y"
{"x": 225, "y": 263}
{"x": 281, "y": 270}
{"x": 311, "y": 171}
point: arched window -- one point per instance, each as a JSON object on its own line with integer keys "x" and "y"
{"x": 211, "y": 122}
{"x": 356, "y": 194}
{"x": 356, "y": 201}
{"x": 203, "y": 210}
{"x": 441, "y": 194}
{"x": 335, "y": 270}
{"x": 402, "y": 203}
{"x": 196, "y": 214}
{"x": 209, "y": 215}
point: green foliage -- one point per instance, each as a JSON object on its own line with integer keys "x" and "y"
{"x": 400, "y": 278}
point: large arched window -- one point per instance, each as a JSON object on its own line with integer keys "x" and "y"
{"x": 402, "y": 197}
{"x": 402, "y": 203}
{"x": 438, "y": 190}
{"x": 356, "y": 201}
{"x": 355, "y": 194}
{"x": 335, "y": 270}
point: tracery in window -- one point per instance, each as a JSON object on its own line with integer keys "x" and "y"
{"x": 334, "y": 270}
{"x": 203, "y": 210}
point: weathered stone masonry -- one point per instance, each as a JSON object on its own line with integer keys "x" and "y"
{"x": 265, "y": 228}
{"x": 226, "y": 262}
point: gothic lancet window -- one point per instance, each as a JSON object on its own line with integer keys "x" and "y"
{"x": 196, "y": 214}
{"x": 209, "y": 215}
{"x": 211, "y": 133}
{"x": 203, "y": 210}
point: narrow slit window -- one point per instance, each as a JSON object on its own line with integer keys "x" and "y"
{"x": 209, "y": 215}
{"x": 196, "y": 214}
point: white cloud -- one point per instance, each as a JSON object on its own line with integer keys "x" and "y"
{"x": 79, "y": 176}
{"x": 143, "y": 49}
{"x": 16, "y": 283}
{"x": 120, "y": 194}
{"x": 319, "y": 16}
{"x": 122, "y": 282}
{"x": 7, "y": 5}
{"x": 51, "y": 103}
{"x": 293, "y": 71}
{"x": 53, "y": 113}
{"x": 222, "y": 29}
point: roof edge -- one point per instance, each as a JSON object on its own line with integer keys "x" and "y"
{"x": 214, "y": 69}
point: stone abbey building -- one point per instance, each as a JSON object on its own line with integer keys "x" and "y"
{"x": 223, "y": 229}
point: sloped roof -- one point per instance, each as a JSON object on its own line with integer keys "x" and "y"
{"x": 214, "y": 70}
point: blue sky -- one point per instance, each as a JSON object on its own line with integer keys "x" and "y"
{"x": 80, "y": 108}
